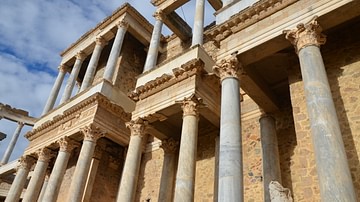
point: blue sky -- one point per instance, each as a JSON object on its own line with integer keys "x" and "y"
{"x": 32, "y": 35}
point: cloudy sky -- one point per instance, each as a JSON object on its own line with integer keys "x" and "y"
{"x": 33, "y": 33}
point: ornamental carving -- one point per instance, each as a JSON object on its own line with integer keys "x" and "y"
{"x": 80, "y": 56}
{"x": 137, "y": 127}
{"x": 100, "y": 41}
{"x": 308, "y": 34}
{"x": 67, "y": 145}
{"x": 25, "y": 162}
{"x": 190, "y": 105}
{"x": 92, "y": 133}
{"x": 122, "y": 24}
{"x": 278, "y": 193}
{"x": 44, "y": 154}
{"x": 63, "y": 68}
{"x": 169, "y": 145}
{"x": 159, "y": 15}
{"x": 227, "y": 68}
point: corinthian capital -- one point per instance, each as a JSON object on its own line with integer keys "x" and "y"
{"x": 100, "y": 41}
{"x": 67, "y": 145}
{"x": 92, "y": 133}
{"x": 306, "y": 35}
{"x": 227, "y": 68}
{"x": 137, "y": 127}
{"x": 159, "y": 15}
{"x": 80, "y": 56}
{"x": 169, "y": 145}
{"x": 25, "y": 162}
{"x": 122, "y": 24}
{"x": 190, "y": 105}
{"x": 63, "y": 68}
{"x": 44, "y": 154}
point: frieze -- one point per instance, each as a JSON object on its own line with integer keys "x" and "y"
{"x": 246, "y": 18}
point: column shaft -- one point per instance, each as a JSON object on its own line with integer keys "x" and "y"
{"x": 12, "y": 144}
{"x": 270, "y": 153}
{"x": 55, "y": 90}
{"x": 115, "y": 51}
{"x": 198, "y": 23}
{"x": 43, "y": 188}
{"x": 91, "y": 68}
{"x": 72, "y": 79}
{"x": 153, "y": 51}
{"x": 91, "y": 179}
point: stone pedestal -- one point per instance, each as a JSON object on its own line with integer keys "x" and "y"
{"x": 38, "y": 176}
{"x": 115, "y": 51}
{"x": 91, "y": 135}
{"x": 331, "y": 161}
{"x": 131, "y": 168}
{"x": 230, "y": 150}
{"x": 270, "y": 153}
{"x": 185, "y": 176}
{"x": 58, "y": 171}
{"x": 168, "y": 171}
{"x": 55, "y": 89}
{"x": 198, "y": 33}
{"x": 80, "y": 57}
{"x": 91, "y": 68}
{"x": 12, "y": 144}
{"x": 153, "y": 51}
{"x": 25, "y": 164}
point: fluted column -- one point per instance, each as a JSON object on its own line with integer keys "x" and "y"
{"x": 92, "y": 173}
{"x": 185, "y": 176}
{"x": 331, "y": 161}
{"x": 91, "y": 68}
{"x": 198, "y": 33}
{"x": 153, "y": 51}
{"x": 80, "y": 57}
{"x": 55, "y": 89}
{"x": 33, "y": 190}
{"x": 12, "y": 144}
{"x": 131, "y": 168}
{"x": 270, "y": 153}
{"x": 170, "y": 147}
{"x": 58, "y": 171}
{"x": 25, "y": 164}
{"x": 91, "y": 135}
{"x": 230, "y": 150}
{"x": 115, "y": 50}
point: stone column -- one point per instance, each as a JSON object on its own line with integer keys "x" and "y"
{"x": 185, "y": 176}
{"x": 91, "y": 135}
{"x": 91, "y": 68}
{"x": 58, "y": 171}
{"x": 331, "y": 161}
{"x": 80, "y": 57}
{"x": 131, "y": 168}
{"x": 25, "y": 164}
{"x": 198, "y": 32}
{"x": 12, "y": 144}
{"x": 168, "y": 171}
{"x": 38, "y": 176}
{"x": 270, "y": 153}
{"x": 115, "y": 50}
{"x": 43, "y": 188}
{"x": 92, "y": 174}
{"x": 55, "y": 89}
{"x": 216, "y": 174}
{"x": 153, "y": 51}
{"x": 230, "y": 150}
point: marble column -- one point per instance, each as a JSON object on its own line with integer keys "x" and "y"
{"x": 12, "y": 144}
{"x": 43, "y": 188}
{"x": 216, "y": 170}
{"x": 230, "y": 150}
{"x": 168, "y": 171}
{"x": 92, "y": 173}
{"x": 91, "y": 68}
{"x": 270, "y": 153}
{"x": 131, "y": 168}
{"x": 52, "y": 190}
{"x": 185, "y": 176}
{"x": 80, "y": 57}
{"x": 115, "y": 51}
{"x": 25, "y": 164}
{"x": 198, "y": 33}
{"x": 331, "y": 161}
{"x": 33, "y": 189}
{"x": 153, "y": 51}
{"x": 91, "y": 135}
{"x": 55, "y": 89}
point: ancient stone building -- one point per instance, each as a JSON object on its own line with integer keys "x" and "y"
{"x": 264, "y": 103}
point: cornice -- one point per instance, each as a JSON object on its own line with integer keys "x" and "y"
{"x": 246, "y": 18}
{"x": 74, "y": 112}
{"x": 181, "y": 73}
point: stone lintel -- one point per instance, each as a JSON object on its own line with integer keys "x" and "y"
{"x": 169, "y": 5}
{"x": 16, "y": 115}
{"x": 216, "y": 4}
{"x": 176, "y": 24}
